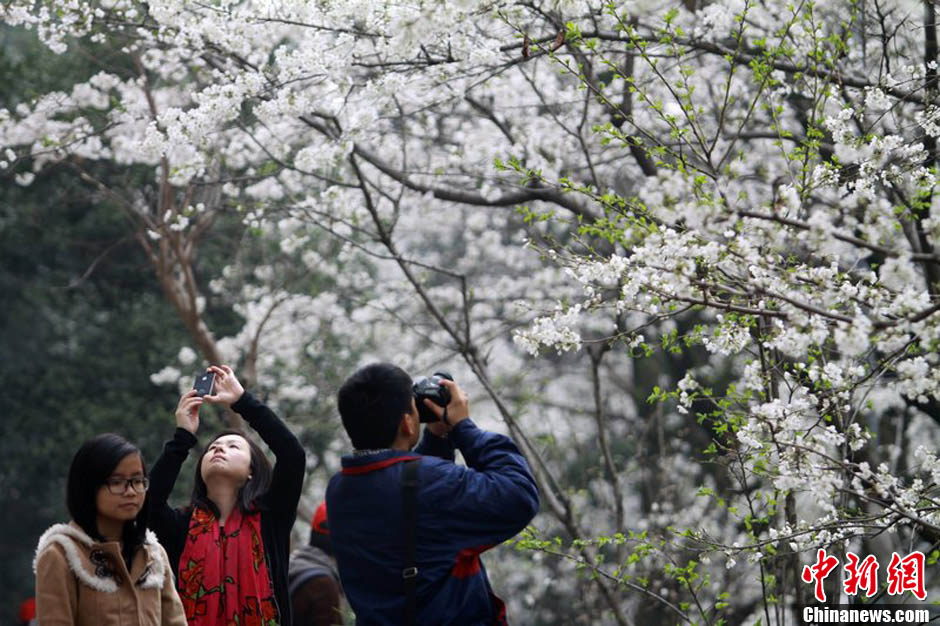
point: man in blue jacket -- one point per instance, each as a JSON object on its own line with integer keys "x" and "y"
{"x": 419, "y": 563}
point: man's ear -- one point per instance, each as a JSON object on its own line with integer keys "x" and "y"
{"x": 407, "y": 426}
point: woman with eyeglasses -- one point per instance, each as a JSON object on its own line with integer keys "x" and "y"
{"x": 230, "y": 545}
{"x": 104, "y": 567}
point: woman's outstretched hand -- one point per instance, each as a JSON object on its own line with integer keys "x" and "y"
{"x": 226, "y": 389}
{"x": 187, "y": 411}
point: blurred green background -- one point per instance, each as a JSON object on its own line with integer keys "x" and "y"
{"x": 84, "y": 324}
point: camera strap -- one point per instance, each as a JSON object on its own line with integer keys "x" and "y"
{"x": 409, "y": 502}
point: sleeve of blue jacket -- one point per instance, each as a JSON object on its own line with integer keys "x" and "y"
{"x": 432, "y": 445}
{"x": 488, "y": 501}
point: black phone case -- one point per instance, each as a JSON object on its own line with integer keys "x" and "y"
{"x": 203, "y": 384}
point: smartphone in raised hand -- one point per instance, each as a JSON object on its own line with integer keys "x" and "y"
{"x": 203, "y": 384}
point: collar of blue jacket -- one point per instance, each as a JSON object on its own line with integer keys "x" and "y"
{"x": 366, "y": 463}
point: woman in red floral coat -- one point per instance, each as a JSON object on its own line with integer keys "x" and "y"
{"x": 230, "y": 545}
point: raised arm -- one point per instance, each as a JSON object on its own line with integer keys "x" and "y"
{"x": 288, "y": 476}
{"x": 433, "y": 444}
{"x": 495, "y": 496}
{"x": 167, "y": 522}
{"x": 491, "y": 499}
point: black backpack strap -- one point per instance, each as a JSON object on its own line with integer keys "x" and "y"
{"x": 409, "y": 502}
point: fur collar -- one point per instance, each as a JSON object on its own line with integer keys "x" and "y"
{"x": 80, "y": 552}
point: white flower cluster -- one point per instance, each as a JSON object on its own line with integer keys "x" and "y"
{"x": 557, "y": 330}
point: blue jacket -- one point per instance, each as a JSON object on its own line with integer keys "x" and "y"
{"x": 462, "y": 511}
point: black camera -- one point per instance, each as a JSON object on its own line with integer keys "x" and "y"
{"x": 432, "y": 389}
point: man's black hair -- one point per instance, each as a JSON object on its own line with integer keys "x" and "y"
{"x": 256, "y": 486}
{"x": 91, "y": 467}
{"x": 371, "y": 403}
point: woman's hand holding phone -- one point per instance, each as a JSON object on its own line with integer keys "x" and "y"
{"x": 187, "y": 411}
{"x": 227, "y": 389}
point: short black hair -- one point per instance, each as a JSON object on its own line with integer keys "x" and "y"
{"x": 250, "y": 492}
{"x": 371, "y": 403}
{"x": 91, "y": 466}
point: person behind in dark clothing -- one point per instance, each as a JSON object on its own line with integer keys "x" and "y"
{"x": 230, "y": 545}
{"x": 313, "y": 580}
{"x": 425, "y": 571}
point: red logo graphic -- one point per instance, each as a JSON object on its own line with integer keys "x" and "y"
{"x": 862, "y": 574}
{"x": 818, "y": 572}
{"x": 904, "y": 574}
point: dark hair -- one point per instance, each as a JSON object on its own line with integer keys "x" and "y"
{"x": 91, "y": 466}
{"x": 250, "y": 492}
{"x": 371, "y": 403}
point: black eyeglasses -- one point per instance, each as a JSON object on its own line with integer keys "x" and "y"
{"x": 118, "y": 486}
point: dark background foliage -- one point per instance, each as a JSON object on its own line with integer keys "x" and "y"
{"x": 83, "y": 324}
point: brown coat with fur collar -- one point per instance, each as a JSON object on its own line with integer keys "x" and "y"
{"x": 80, "y": 582}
